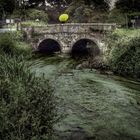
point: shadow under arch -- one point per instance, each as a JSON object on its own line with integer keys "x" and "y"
{"x": 85, "y": 47}
{"x": 49, "y": 46}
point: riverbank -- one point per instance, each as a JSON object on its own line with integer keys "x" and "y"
{"x": 24, "y": 113}
{"x": 123, "y": 54}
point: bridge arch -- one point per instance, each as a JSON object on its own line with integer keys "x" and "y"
{"x": 86, "y": 46}
{"x": 49, "y": 45}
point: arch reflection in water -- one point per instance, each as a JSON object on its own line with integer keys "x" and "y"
{"x": 49, "y": 46}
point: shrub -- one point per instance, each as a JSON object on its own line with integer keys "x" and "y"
{"x": 125, "y": 59}
{"x": 12, "y": 44}
{"x": 27, "y": 103}
{"x": 33, "y": 14}
{"x": 115, "y": 16}
{"x": 7, "y": 44}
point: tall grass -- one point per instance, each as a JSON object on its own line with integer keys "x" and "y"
{"x": 12, "y": 44}
{"x": 27, "y": 103}
{"x": 7, "y": 45}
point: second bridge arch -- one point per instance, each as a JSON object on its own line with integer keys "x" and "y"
{"x": 85, "y": 47}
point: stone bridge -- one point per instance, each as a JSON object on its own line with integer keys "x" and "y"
{"x": 67, "y": 35}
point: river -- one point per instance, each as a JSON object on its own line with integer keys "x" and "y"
{"x": 94, "y": 106}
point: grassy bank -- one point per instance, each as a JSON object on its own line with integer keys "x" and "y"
{"x": 27, "y": 103}
{"x": 124, "y": 52}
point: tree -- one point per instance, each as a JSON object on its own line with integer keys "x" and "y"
{"x": 52, "y": 2}
{"x": 6, "y": 6}
{"x": 99, "y": 3}
{"x": 128, "y": 5}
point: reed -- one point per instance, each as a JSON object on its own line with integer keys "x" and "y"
{"x": 27, "y": 103}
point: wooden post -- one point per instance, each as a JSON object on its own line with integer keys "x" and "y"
{"x": 17, "y": 26}
{"x": 126, "y": 21}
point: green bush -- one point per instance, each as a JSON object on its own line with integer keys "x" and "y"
{"x": 115, "y": 16}
{"x": 12, "y": 44}
{"x": 33, "y": 14}
{"x": 27, "y": 103}
{"x": 125, "y": 59}
{"x": 7, "y": 44}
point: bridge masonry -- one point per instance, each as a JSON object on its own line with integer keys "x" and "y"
{"x": 68, "y": 34}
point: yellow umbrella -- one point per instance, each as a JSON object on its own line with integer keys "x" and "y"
{"x": 63, "y": 17}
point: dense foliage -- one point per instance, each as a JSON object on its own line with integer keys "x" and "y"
{"x": 79, "y": 10}
{"x": 27, "y": 103}
{"x": 6, "y": 7}
{"x": 128, "y": 5}
{"x": 13, "y": 45}
{"x": 124, "y": 53}
{"x": 33, "y": 14}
